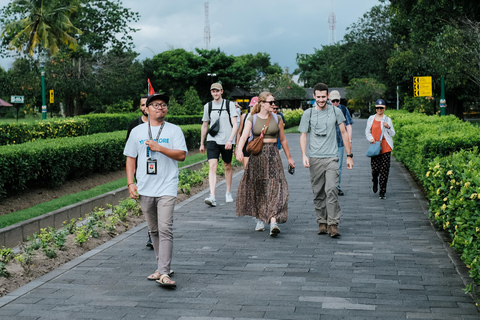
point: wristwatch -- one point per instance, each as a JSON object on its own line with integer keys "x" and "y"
{"x": 350, "y": 155}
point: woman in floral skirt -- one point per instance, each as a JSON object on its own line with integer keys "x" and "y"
{"x": 263, "y": 190}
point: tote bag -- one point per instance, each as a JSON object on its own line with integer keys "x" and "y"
{"x": 374, "y": 149}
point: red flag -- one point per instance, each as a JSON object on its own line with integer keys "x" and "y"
{"x": 150, "y": 88}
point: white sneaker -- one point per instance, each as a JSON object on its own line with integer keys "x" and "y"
{"x": 211, "y": 201}
{"x": 274, "y": 229}
{"x": 260, "y": 225}
{"x": 228, "y": 197}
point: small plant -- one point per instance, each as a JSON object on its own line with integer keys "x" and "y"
{"x": 3, "y": 270}
{"x": 82, "y": 235}
{"x": 70, "y": 227}
{"x": 121, "y": 212}
{"x": 49, "y": 252}
{"x": 471, "y": 289}
{"x": 60, "y": 238}
{"x": 46, "y": 237}
{"x": 110, "y": 226}
{"x": 34, "y": 242}
{"x": 25, "y": 259}
{"x": 6, "y": 254}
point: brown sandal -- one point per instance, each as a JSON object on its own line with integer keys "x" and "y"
{"x": 165, "y": 281}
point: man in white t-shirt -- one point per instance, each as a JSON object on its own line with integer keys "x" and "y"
{"x": 221, "y": 142}
{"x": 157, "y": 145}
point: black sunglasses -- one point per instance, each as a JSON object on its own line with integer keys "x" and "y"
{"x": 275, "y": 108}
{"x": 379, "y": 107}
{"x": 336, "y": 100}
{"x": 271, "y": 102}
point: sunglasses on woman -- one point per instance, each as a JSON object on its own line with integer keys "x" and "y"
{"x": 271, "y": 102}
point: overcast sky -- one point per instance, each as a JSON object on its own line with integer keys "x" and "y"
{"x": 281, "y": 28}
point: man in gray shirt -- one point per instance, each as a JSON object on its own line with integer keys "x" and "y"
{"x": 323, "y": 161}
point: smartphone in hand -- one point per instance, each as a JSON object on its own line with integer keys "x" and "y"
{"x": 291, "y": 169}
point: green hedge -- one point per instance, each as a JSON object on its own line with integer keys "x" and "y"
{"x": 17, "y": 133}
{"x": 292, "y": 117}
{"x": 52, "y": 161}
{"x": 420, "y": 138}
{"x": 453, "y": 186}
{"x": 443, "y": 154}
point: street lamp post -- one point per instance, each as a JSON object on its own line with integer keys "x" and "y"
{"x": 212, "y": 75}
{"x": 43, "y": 60}
{"x": 443, "y": 102}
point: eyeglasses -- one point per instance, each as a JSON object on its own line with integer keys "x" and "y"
{"x": 275, "y": 109}
{"x": 158, "y": 105}
{"x": 271, "y": 102}
{"x": 335, "y": 101}
{"x": 379, "y": 107}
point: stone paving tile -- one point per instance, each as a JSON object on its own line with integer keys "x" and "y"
{"x": 389, "y": 262}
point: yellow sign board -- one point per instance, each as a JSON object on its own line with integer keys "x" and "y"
{"x": 51, "y": 96}
{"x": 422, "y": 87}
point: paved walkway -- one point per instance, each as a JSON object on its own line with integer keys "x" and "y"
{"x": 389, "y": 263}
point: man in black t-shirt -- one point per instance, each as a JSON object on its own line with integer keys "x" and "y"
{"x": 142, "y": 119}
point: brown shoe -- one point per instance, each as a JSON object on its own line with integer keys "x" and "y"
{"x": 333, "y": 231}
{"x": 322, "y": 228}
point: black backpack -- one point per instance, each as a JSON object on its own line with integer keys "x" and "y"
{"x": 227, "y": 103}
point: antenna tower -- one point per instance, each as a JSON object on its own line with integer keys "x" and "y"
{"x": 332, "y": 20}
{"x": 206, "y": 32}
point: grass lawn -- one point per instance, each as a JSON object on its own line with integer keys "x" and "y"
{"x": 39, "y": 209}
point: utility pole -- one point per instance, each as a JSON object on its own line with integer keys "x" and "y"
{"x": 332, "y": 20}
{"x": 206, "y": 31}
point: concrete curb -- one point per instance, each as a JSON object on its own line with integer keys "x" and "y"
{"x": 12, "y": 235}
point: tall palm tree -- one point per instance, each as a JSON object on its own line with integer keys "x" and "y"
{"x": 46, "y": 24}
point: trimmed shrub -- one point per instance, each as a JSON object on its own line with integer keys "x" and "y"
{"x": 453, "y": 186}
{"x": 292, "y": 117}
{"x": 51, "y": 162}
{"x": 16, "y": 133}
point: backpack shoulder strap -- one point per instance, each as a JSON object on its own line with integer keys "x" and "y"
{"x": 210, "y": 106}
{"x": 275, "y": 116}
{"x": 227, "y": 104}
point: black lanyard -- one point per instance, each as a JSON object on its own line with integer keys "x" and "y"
{"x": 150, "y": 134}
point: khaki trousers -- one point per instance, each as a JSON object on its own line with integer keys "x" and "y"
{"x": 324, "y": 180}
{"x": 158, "y": 212}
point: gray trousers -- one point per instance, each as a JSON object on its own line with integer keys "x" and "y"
{"x": 324, "y": 180}
{"x": 159, "y": 214}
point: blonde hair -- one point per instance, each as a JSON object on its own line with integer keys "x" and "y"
{"x": 261, "y": 98}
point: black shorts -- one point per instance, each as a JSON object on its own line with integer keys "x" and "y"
{"x": 214, "y": 150}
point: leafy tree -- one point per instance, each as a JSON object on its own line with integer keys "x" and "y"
{"x": 41, "y": 24}
{"x": 176, "y": 70}
{"x": 418, "y": 26}
{"x": 192, "y": 103}
{"x": 175, "y": 108}
{"x": 365, "y": 91}
{"x": 25, "y": 81}
{"x": 281, "y": 86}
{"x": 324, "y": 65}
{"x": 105, "y": 25}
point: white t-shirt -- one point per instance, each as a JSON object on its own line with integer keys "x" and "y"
{"x": 223, "y": 134}
{"x": 165, "y": 182}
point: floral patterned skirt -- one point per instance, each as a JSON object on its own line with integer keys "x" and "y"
{"x": 263, "y": 190}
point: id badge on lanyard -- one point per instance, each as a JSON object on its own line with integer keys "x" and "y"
{"x": 152, "y": 163}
